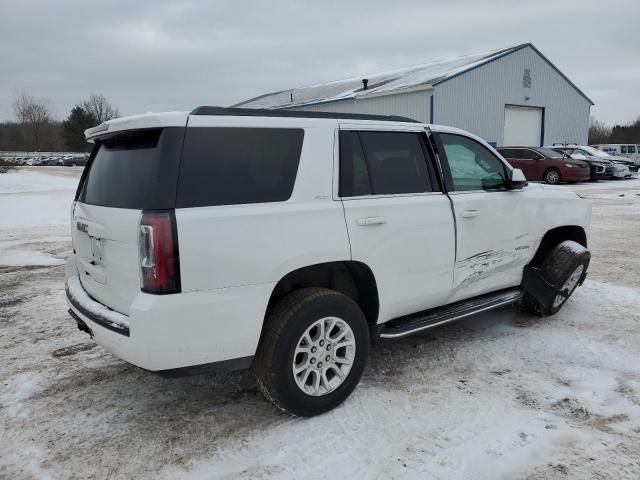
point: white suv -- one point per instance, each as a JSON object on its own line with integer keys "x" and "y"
{"x": 287, "y": 241}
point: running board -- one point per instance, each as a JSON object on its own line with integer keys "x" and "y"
{"x": 403, "y": 326}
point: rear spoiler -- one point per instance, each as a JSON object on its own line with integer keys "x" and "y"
{"x": 92, "y": 132}
{"x": 137, "y": 122}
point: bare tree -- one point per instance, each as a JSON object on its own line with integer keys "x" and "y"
{"x": 598, "y": 132}
{"x": 99, "y": 108}
{"x": 34, "y": 116}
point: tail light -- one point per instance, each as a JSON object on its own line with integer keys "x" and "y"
{"x": 158, "y": 248}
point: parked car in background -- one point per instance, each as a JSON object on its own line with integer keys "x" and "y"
{"x": 544, "y": 164}
{"x": 601, "y": 168}
{"x": 623, "y": 167}
{"x": 74, "y": 161}
{"x": 626, "y": 150}
{"x": 52, "y": 161}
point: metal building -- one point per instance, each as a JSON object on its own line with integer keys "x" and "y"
{"x": 512, "y": 96}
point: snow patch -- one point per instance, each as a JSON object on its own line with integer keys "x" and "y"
{"x": 30, "y": 181}
{"x": 16, "y": 390}
{"x": 19, "y": 258}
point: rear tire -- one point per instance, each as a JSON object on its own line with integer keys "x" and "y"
{"x": 552, "y": 176}
{"x": 317, "y": 320}
{"x": 563, "y": 267}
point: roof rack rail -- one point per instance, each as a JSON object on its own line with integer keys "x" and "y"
{"x": 264, "y": 112}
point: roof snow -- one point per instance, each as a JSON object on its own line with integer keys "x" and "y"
{"x": 425, "y": 74}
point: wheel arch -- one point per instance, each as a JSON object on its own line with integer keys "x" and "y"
{"x": 555, "y": 236}
{"x": 351, "y": 278}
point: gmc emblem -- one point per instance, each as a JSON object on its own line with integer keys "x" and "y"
{"x": 83, "y": 227}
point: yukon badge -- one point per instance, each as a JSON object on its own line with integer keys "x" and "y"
{"x": 83, "y": 227}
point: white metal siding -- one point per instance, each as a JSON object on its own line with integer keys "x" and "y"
{"x": 475, "y": 100}
{"x": 414, "y": 105}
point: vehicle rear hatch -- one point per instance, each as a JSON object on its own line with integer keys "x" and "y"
{"x": 128, "y": 172}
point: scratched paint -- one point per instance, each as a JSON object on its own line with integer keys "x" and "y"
{"x": 495, "y": 262}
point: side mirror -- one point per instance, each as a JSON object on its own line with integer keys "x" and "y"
{"x": 518, "y": 181}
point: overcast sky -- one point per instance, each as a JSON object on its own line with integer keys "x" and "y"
{"x": 168, "y": 55}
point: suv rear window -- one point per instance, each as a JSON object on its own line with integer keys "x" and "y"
{"x": 228, "y": 166}
{"x": 136, "y": 169}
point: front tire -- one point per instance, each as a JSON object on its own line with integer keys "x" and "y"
{"x": 313, "y": 350}
{"x": 552, "y": 176}
{"x": 563, "y": 267}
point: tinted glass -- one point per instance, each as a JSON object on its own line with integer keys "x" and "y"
{"x": 228, "y": 166}
{"x": 396, "y": 162}
{"x": 526, "y": 154}
{"x": 472, "y": 166}
{"x": 623, "y": 149}
{"x": 508, "y": 152}
{"x": 134, "y": 170}
{"x": 550, "y": 153}
{"x": 354, "y": 176}
{"x": 631, "y": 149}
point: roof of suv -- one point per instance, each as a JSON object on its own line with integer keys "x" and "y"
{"x": 265, "y": 112}
{"x": 179, "y": 119}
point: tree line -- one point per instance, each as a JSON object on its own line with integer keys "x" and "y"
{"x": 599, "y": 132}
{"x": 34, "y": 127}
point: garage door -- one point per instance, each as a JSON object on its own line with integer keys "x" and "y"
{"x": 522, "y": 126}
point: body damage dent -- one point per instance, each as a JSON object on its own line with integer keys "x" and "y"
{"x": 493, "y": 262}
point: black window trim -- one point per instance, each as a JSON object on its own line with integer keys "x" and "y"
{"x": 437, "y": 185}
{"x": 447, "y": 171}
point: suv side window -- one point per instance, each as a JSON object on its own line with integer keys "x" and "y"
{"x": 230, "y": 166}
{"x": 382, "y": 163}
{"x": 623, "y": 149}
{"x": 472, "y": 165}
{"x": 354, "y": 175}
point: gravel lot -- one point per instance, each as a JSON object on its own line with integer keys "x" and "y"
{"x": 501, "y": 395}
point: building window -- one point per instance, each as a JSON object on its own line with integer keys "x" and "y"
{"x": 526, "y": 78}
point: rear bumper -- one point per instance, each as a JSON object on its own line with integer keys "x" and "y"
{"x": 166, "y": 332}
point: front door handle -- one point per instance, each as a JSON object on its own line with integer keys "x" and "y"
{"x": 469, "y": 213}
{"x": 366, "y": 221}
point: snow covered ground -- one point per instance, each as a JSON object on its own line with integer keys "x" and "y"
{"x": 502, "y": 395}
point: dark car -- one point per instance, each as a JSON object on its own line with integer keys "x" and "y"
{"x": 601, "y": 168}
{"x": 546, "y": 164}
{"x": 74, "y": 161}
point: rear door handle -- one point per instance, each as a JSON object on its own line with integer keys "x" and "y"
{"x": 469, "y": 213}
{"x": 366, "y": 221}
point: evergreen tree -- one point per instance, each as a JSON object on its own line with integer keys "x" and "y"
{"x": 73, "y": 129}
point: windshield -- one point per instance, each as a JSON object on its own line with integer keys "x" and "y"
{"x": 547, "y": 152}
{"x": 594, "y": 151}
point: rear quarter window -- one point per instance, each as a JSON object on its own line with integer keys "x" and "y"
{"x": 229, "y": 166}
